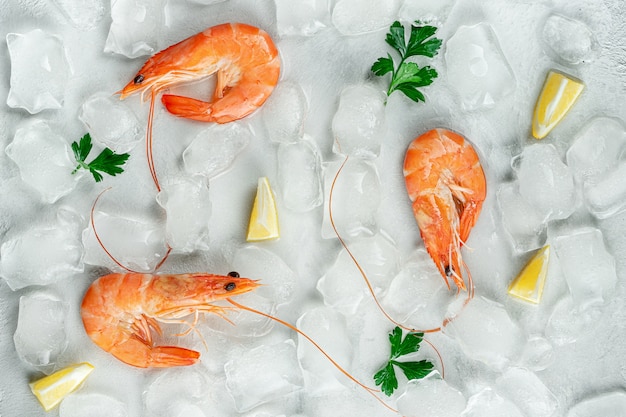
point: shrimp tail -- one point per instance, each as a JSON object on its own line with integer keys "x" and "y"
{"x": 188, "y": 108}
{"x": 146, "y": 356}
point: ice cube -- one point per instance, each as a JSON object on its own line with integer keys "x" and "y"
{"x": 571, "y": 40}
{"x": 567, "y": 321}
{"x": 343, "y": 286}
{"x": 214, "y": 149}
{"x": 135, "y": 27}
{"x": 40, "y": 337}
{"x": 523, "y": 223}
{"x": 588, "y": 267}
{"x": 477, "y": 68}
{"x": 606, "y": 196}
{"x": 537, "y": 354}
{"x": 43, "y": 254}
{"x": 307, "y": 19}
{"x": 417, "y": 295}
{"x": 611, "y": 404}
{"x": 355, "y": 199}
{"x": 137, "y": 243}
{"x": 299, "y": 176}
{"x": 545, "y": 182}
{"x": 173, "y": 390}
{"x": 359, "y": 123}
{"x": 431, "y": 396}
{"x": 353, "y": 17}
{"x": 111, "y": 122}
{"x": 40, "y": 71}
{"x": 92, "y": 405}
{"x": 369, "y": 330}
{"x": 345, "y": 402}
{"x": 186, "y": 202}
{"x": 427, "y": 10}
{"x": 278, "y": 279}
{"x": 487, "y": 403}
{"x": 485, "y": 331}
{"x": 597, "y": 148}
{"x": 263, "y": 374}
{"x": 328, "y": 328}
{"x": 285, "y": 110}
{"x": 244, "y": 324}
{"x": 45, "y": 160}
{"x": 84, "y": 14}
{"x": 528, "y": 392}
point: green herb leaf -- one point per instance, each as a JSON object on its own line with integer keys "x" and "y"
{"x": 386, "y": 376}
{"x": 107, "y": 161}
{"x": 408, "y": 77}
{"x": 410, "y": 344}
{"x": 411, "y": 92}
{"x": 415, "y": 370}
{"x": 395, "y": 37}
{"x": 411, "y": 73}
{"x": 84, "y": 147}
{"x": 418, "y": 43}
{"x": 383, "y": 66}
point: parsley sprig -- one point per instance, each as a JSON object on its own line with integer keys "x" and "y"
{"x": 408, "y": 77}
{"x": 386, "y": 376}
{"x": 107, "y": 161}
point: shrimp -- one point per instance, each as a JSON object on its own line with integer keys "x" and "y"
{"x": 446, "y": 184}
{"x": 119, "y": 312}
{"x": 247, "y": 65}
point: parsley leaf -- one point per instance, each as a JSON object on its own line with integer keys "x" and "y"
{"x": 383, "y": 65}
{"x": 418, "y": 43}
{"x": 395, "y": 37}
{"x": 415, "y": 370}
{"x": 409, "y": 76}
{"x": 107, "y": 161}
{"x": 400, "y": 347}
{"x": 386, "y": 376}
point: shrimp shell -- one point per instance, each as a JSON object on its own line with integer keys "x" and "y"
{"x": 119, "y": 312}
{"x": 446, "y": 184}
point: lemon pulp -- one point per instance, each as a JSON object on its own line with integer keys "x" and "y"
{"x": 50, "y": 390}
{"x": 558, "y": 95}
{"x": 528, "y": 285}
{"x": 264, "y": 217}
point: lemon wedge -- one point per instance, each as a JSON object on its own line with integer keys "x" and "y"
{"x": 528, "y": 285}
{"x": 50, "y": 390}
{"x": 264, "y": 217}
{"x": 558, "y": 95}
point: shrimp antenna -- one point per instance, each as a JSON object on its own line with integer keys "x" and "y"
{"x": 370, "y": 390}
{"x": 149, "y": 155}
{"x": 109, "y": 254}
{"x": 367, "y": 281}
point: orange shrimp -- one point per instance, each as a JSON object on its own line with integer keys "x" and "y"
{"x": 247, "y": 65}
{"x": 119, "y": 311}
{"x": 447, "y": 186}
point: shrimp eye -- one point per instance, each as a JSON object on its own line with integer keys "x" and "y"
{"x": 138, "y": 79}
{"x": 233, "y": 274}
{"x": 448, "y": 271}
{"x": 230, "y": 286}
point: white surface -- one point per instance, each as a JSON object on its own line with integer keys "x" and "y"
{"x": 322, "y": 66}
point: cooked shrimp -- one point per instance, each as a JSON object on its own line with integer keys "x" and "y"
{"x": 446, "y": 184}
{"x": 246, "y": 62}
{"x": 120, "y": 311}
